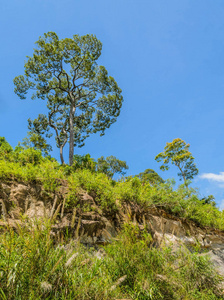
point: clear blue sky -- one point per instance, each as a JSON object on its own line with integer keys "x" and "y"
{"x": 167, "y": 56}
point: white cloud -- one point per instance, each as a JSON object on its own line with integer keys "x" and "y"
{"x": 213, "y": 186}
{"x": 213, "y": 177}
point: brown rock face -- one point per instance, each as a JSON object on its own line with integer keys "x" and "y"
{"x": 18, "y": 199}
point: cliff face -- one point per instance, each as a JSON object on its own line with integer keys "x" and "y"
{"x": 97, "y": 227}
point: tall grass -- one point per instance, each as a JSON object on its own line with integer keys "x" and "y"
{"x": 34, "y": 265}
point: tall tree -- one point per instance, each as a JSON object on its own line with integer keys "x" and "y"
{"x": 81, "y": 97}
{"x": 177, "y": 153}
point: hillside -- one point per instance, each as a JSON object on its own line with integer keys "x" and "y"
{"x": 77, "y": 234}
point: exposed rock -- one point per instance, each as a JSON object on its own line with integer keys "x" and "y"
{"x": 94, "y": 227}
{"x": 85, "y": 198}
{"x": 37, "y": 210}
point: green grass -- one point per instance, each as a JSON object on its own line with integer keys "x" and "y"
{"x": 34, "y": 266}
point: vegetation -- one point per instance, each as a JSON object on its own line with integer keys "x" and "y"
{"x": 150, "y": 176}
{"x": 36, "y": 266}
{"x": 177, "y": 152}
{"x": 29, "y": 165}
{"x": 5, "y": 149}
{"x": 81, "y": 97}
{"x": 83, "y": 162}
{"x": 36, "y": 136}
{"x": 111, "y": 166}
{"x": 38, "y": 259}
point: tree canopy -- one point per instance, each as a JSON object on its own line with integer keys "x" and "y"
{"x": 5, "y": 148}
{"x": 111, "y": 165}
{"x": 84, "y": 162}
{"x": 150, "y": 176}
{"x": 81, "y": 97}
{"x": 177, "y": 153}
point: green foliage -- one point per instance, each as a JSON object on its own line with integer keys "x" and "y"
{"x": 150, "y": 176}
{"x": 29, "y": 166}
{"x": 159, "y": 273}
{"x": 97, "y": 185}
{"x": 81, "y": 97}
{"x": 210, "y": 199}
{"x": 84, "y": 162}
{"x": 80, "y": 162}
{"x": 27, "y": 156}
{"x": 132, "y": 191}
{"x": 36, "y": 137}
{"x": 5, "y": 149}
{"x": 35, "y": 265}
{"x": 111, "y": 166}
{"x": 177, "y": 152}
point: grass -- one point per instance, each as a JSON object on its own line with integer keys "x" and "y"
{"x": 34, "y": 266}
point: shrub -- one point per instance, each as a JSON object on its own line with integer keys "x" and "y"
{"x": 5, "y": 149}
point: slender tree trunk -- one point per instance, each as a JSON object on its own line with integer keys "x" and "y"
{"x": 184, "y": 178}
{"x": 71, "y": 137}
{"x": 182, "y": 173}
{"x": 61, "y": 155}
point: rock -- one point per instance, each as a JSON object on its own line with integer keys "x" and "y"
{"x": 19, "y": 194}
{"x": 37, "y": 210}
{"x": 92, "y": 227}
{"x": 85, "y": 198}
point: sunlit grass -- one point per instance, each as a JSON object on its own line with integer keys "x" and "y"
{"x": 34, "y": 266}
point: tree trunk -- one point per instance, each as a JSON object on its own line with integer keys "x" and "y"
{"x": 71, "y": 137}
{"x": 185, "y": 180}
{"x": 61, "y": 155}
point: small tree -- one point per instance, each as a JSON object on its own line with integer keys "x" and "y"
{"x": 36, "y": 136}
{"x": 150, "y": 176}
{"x": 177, "y": 153}
{"x": 111, "y": 165}
{"x": 81, "y": 97}
{"x": 210, "y": 199}
{"x": 84, "y": 162}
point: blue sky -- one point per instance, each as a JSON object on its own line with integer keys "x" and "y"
{"x": 167, "y": 56}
